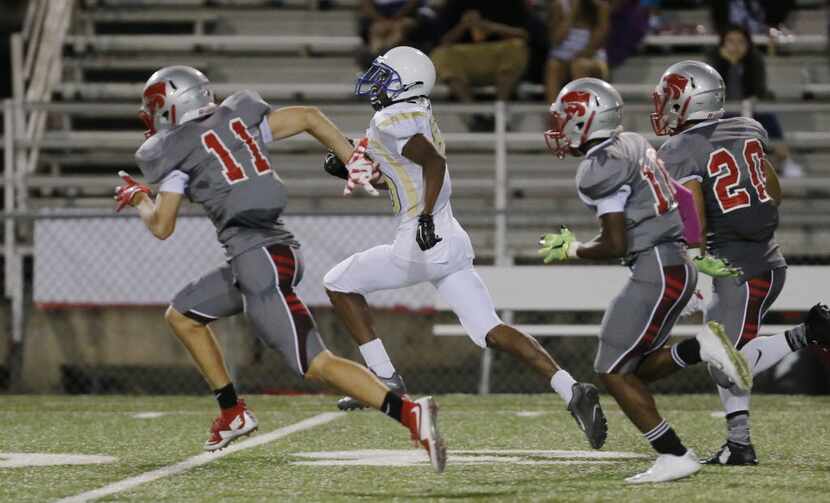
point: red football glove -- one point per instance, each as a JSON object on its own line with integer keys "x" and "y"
{"x": 362, "y": 170}
{"x": 124, "y": 193}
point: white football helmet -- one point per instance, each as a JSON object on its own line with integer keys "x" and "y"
{"x": 688, "y": 90}
{"x": 400, "y": 74}
{"x": 173, "y": 96}
{"x": 586, "y": 109}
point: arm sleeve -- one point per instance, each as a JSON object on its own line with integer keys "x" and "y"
{"x": 175, "y": 181}
{"x": 688, "y": 212}
{"x": 265, "y": 131}
{"x": 615, "y": 203}
{"x": 679, "y": 159}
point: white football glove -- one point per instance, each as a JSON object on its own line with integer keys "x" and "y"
{"x": 362, "y": 170}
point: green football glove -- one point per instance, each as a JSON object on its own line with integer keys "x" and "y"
{"x": 715, "y": 267}
{"x": 556, "y": 246}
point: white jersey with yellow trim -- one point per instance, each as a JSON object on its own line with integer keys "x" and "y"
{"x": 388, "y": 133}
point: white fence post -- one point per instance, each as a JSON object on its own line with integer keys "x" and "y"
{"x": 500, "y": 230}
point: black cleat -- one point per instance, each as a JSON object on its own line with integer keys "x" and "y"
{"x": 585, "y": 408}
{"x": 394, "y": 383}
{"x": 733, "y": 454}
{"x": 818, "y": 326}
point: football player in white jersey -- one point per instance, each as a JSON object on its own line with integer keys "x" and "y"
{"x": 430, "y": 245}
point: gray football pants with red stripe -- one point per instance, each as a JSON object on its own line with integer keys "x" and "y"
{"x": 641, "y": 317}
{"x": 261, "y": 283}
{"x": 741, "y": 305}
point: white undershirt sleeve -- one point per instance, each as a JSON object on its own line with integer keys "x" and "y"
{"x": 175, "y": 181}
{"x": 615, "y": 203}
{"x": 265, "y": 131}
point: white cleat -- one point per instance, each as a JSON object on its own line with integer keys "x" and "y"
{"x": 667, "y": 468}
{"x": 428, "y": 435}
{"x": 717, "y": 350}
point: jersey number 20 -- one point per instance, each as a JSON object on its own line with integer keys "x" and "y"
{"x": 727, "y": 187}
{"x": 231, "y": 168}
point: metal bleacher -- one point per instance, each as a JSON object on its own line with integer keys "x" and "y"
{"x": 299, "y": 54}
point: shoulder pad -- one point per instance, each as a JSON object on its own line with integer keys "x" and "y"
{"x": 400, "y": 121}
{"x": 151, "y": 157}
{"x": 248, "y": 105}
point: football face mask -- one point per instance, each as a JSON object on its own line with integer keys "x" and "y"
{"x": 382, "y": 84}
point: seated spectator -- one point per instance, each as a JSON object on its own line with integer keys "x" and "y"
{"x": 578, "y": 30}
{"x": 384, "y": 24}
{"x": 744, "y": 71}
{"x": 630, "y": 22}
{"x": 757, "y": 15}
{"x": 486, "y": 45}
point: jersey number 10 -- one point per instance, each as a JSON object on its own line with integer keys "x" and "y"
{"x": 233, "y": 171}
{"x": 727, "y": 186}
{"x": 653, "y": 172}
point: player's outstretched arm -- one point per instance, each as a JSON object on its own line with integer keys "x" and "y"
{"x": 159, "y": 216}
{"x": 611, "y": 243}
{"x": 423, "y": 153}
{"x": 772, "y": 183}
{"x": 290, "y": 121}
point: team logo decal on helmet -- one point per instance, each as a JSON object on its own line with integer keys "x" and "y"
{"x": 586, "y": 109}
{"x": 688, "y": 91}
{"x": 153, "y": 102}
{"x": 174, "y": 95}
{"x": 574, "y": 105}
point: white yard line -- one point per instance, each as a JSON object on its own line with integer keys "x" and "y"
{"x": 202, "y": 459}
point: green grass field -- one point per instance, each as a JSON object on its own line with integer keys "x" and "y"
{"x": 790, "y": 434}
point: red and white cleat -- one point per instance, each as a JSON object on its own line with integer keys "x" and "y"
{"x": 231, "y": 424}
{"x": 421, "y": 416}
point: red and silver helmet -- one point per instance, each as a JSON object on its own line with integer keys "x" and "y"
{"x": 173, "y": 96}
{"x": 585, "y": 109}
{"x": 688, "y": 90}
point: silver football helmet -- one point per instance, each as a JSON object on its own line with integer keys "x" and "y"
{"x": 173, "y": 96}
{"x": 586, "y": 109}
{"x": 688, "y": 90}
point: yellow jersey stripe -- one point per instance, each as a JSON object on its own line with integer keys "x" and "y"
{"x": 403, "y": 116}
{"x": 408, "y": 185}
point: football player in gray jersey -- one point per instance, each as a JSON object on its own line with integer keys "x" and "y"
{"x": 623, "y": 182}
{"x": 215, "y": 154}
{"x": 723, "y": 162}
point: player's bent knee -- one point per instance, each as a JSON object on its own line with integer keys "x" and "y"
{"x": 317, "y": 368}
{"x": 181, "y": 323}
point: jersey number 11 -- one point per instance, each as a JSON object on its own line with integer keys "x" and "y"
{"x": 233, "y": 171}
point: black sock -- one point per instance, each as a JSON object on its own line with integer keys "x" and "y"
{"x": 392, "y": 406}
{"x": 226, "y": 396}
{"x": 664, "y": 440}
{"x": 686, "y": 353}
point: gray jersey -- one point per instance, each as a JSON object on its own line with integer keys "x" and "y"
{"x": 726, "y": 157}
{"x": 228, "y": 171}
{"x": 623, "y": 174}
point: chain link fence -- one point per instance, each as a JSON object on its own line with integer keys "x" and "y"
{"x": 96, "y": 287}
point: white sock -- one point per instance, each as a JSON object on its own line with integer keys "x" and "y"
{"x": 764, "y": 352}
{"x": 733, "y": 399}
{"x": 374, "y": 354}
{"x": 562, "y": 383}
